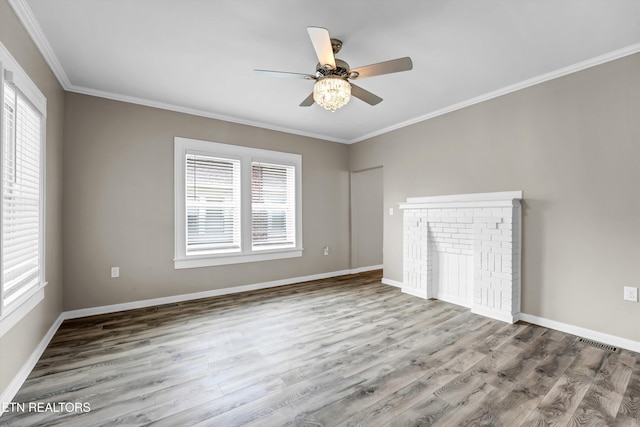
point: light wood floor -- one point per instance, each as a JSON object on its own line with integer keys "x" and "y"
{"x": 347, "y": 351}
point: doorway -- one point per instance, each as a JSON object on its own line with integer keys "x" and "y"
{"x": 367, "y": 204}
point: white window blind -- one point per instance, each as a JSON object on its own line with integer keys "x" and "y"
{"x": 21, "y": 196}
{"x": 273, "y": 206}
{"x": 235, "y": 204}
{"x": 212, "y": 205}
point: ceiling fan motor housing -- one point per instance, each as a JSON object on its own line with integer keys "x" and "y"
{"x": 333, "y": 75}
{"x": 341, "y": 70}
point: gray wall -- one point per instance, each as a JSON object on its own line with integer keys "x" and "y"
{"x": 573, "y": 146}
{"x": 366, "y": 218}
{"x": 17, "y": 345}
{"x": 118, "y": 203}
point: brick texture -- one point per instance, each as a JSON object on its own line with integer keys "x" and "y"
{"x": 490, "y": 234}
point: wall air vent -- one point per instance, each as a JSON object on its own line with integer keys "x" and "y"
{"x": 597, "y": 344}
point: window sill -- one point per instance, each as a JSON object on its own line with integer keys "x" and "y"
{"x": 22, "y": 308}
{"x": 210, "y": 261}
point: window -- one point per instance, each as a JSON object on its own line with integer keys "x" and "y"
{"x": 273, "y": 206}
{"x": 22, "y": 186}
{"x": 212, "y": 204}
{"x": 235, "y": 204}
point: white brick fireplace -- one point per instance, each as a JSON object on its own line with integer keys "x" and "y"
{"x": 465, "y": 249}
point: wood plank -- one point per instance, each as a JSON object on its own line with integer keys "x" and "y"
{"x": 559, "y": 405}
{"x": 601, "y": 403}
{"x": 629, "y": 412}
{"x": 515, "y": 400}
{"x": 342, "y": 351}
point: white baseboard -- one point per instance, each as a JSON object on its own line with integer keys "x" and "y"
{"x": 503, "y": 317}
{"x": 9, "y": 393}
{"x": 113, "y": 308}
{"x": 582, "y": 332}
{"x": 363, "y": 269}
{"x": 12, "y": 389}
{"x": 547, "y": 323}
{"x": 392, "y": 282}
{"x": 415, "y": 292}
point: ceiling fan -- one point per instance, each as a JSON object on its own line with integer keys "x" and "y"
{"x": 333, "y": 88}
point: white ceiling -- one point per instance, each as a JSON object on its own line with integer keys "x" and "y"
{"x": 198, "y": 56}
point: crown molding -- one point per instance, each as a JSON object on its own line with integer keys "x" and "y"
{"x": 197, "y": 112}
{"x": 561, "y": 72}
{"x": 34, "y": 30}
{"x": 28, "y": 20}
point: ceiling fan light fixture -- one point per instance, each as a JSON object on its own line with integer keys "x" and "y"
{"x": 331, "y": 92}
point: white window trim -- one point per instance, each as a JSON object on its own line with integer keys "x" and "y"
{"x": 246, "y": 155}
{"x": 11, "y": 315}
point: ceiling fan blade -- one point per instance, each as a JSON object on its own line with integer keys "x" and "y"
{"x": 322, "y": 44}
{"x": 308, "y": 101}
{"x": 285, "y": 74}
{"x": 387, "y": 67}
{"x": 365, "y": 95}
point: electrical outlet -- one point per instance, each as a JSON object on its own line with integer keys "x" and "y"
{"x": 630, "y": 294}
{"x": 115, "y": 272}
{"x": 326, "y": 250}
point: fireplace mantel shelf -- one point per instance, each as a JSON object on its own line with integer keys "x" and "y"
{"x": 497, "y": 199}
